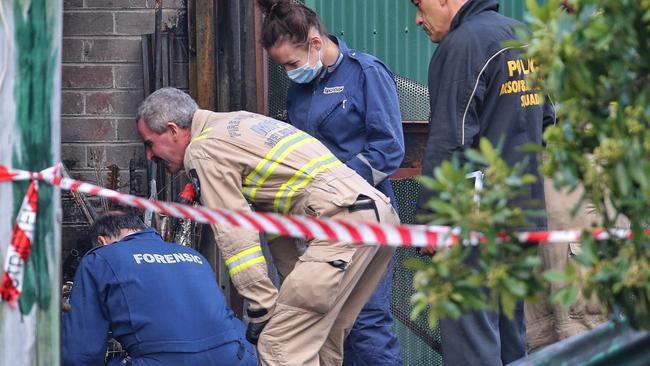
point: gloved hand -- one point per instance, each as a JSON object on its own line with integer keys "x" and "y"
{"x": 254, "y": 330}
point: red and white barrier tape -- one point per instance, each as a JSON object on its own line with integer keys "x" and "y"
{"x": 301, "y": 226}
{"x": 20, "y": 248}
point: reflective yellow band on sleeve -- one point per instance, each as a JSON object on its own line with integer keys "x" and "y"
{"x": 245, "y": 259}
{"x": 243, "y": 253}
{"x": 248, "y": 263}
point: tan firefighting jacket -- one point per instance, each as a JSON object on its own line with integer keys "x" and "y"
{"x": 240, "y": 158}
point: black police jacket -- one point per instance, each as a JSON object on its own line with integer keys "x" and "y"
{"x": 478, "y": 88}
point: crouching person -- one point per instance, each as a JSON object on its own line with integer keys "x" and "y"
{"x": 160, "y": 301}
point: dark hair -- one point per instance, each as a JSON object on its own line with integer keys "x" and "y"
{"x": 288, "y": 20}
{"x": 112, "y": 223}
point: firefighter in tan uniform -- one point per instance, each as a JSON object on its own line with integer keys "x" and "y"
{"x": 240, "y": 158}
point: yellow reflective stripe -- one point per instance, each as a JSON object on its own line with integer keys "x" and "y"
{"x": 303, "y": 176}
{"x": 243, "y": 253}
{"x": 292, "y": 192}
{"x": 273, "y": 158}
{"x": 270, "y": 154}
{"x": 203, "y": 134}
{"x": 245, "y": 265}
{"x": 200, "y": 138}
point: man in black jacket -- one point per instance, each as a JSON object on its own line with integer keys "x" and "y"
{"x": 478, "y": 89}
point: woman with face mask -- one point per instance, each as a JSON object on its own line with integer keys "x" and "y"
{"x": 348, "y": 100}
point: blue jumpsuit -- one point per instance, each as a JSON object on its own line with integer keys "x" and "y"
{"x": 160, "y": 301}
{"x": 353, "y": 109}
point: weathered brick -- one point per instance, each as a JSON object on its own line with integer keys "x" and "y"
{"x": 119, "y": 4}
{"x": 72, "y": 50}
{"x": 90, "y": 176}
{"x": 72, "y": 213}
{"x": 168, "y": 4}
{"x": 134, "y": 22}
{"x": 87, "y": 129}
{"x": 86, "y": 175}
{"x": 72, "y": 103}
{"x": 181, "y": 76}
{"x": 139, "y": 179}
{"x": 127, "y": 130}
{"x": 87, "y": 23}
{"x": 122, "y": 155}
{"x": 87, "y": 77}
{"x": 118, "y": 154}
{"x": 72, "y": 4}
{"x": 73, "y": 156}
{"x": 113, "y": 102}
{"x": 128, "y": 76}
{"x": 112, "y": 50}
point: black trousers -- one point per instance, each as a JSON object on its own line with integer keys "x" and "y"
{"x": 483, "y": 338}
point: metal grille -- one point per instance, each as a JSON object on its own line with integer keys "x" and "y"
{"x": 413, "y": 99}
{"x": 420, "y": 345}
{"x": 278, "y": 85}
{"x": 413, "y": 96}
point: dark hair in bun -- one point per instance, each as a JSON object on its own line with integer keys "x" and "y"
{"x": 288, "y": 20}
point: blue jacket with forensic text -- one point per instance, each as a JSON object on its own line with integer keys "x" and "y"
{"x": 156, "y": 298}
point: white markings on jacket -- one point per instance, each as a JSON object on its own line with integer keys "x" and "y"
{"x": 166, "y": 258}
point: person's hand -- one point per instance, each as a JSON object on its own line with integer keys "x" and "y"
{"x": 254, "y": 330}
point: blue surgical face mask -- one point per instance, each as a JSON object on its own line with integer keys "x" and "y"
{"x": 306, "y": 73}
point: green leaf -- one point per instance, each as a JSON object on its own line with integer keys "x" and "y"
{"x": 488, "y": 151}
{"x": 566, "y": 296}
{"x": 416, "y": 263}
{"x": 444, "y": 208}
{"x": 432, "y": 319}
{"x": 622, "y": 179}
{"x": 515, "y": 287}
{"x": 528, "y": 179}
{"x": 556, "y": 276}
{"x": 475, "y": 157}
{"x": 508, "y": 305}
{"x": 532, "y": 148}
{"x": 452, "y": 310}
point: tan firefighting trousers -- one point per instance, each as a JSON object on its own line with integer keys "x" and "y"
{"x": 319, "y": 302}
{"x": 548, "y": 323}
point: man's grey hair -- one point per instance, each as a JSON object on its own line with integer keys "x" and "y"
{"x": 167, "y": 105}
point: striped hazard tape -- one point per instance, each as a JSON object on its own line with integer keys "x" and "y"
{"x": 306, "y": 227}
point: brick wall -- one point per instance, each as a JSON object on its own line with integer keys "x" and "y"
{"x": 102, "y": 83}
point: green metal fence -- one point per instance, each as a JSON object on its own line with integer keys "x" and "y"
{"x": 387, "y": 29}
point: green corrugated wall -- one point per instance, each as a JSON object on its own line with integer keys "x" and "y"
{"x": 386, "y": 29}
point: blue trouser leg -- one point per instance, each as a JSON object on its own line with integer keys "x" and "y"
{"x": 371, "y": 340}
